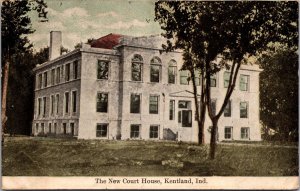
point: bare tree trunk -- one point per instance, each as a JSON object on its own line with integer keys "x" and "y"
{"x": 213, "y": 144}
{"x": 203, "y": 107}
{"x": 4, "y": 96}
{"x": 200, "y": 127}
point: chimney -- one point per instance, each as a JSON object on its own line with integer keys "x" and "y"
{"x": 55, "y": 44}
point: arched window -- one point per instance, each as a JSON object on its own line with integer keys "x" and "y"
{"x": 155, "y": 69}
{"x": 172, "y": 72}
{"x": 136, "y": 67}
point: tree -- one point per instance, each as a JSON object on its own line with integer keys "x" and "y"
{"x": 79, "y": 45}
{"x": 21, "y": 90}
{"x": 233, "y": 30}
{"x": 15, "y": 25}
{"x": 279, "y": 93}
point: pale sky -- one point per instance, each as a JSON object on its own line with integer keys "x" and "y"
{"x": 82, "y": 19}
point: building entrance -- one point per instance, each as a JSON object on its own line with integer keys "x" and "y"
{"x": 185, "y": 114}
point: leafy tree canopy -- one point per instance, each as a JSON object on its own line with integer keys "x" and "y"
{"x": 233, "y": 29}
{"x": 279, "y": 92}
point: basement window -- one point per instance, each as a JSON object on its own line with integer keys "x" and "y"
{"x": 245, "y": 133}
{"x": 101, "y": 130}
{"x": 134, "y": 131}
{"x": 228, "y": 133}
{"x": 64, "y": 128}
{"x": 154, "y": 131}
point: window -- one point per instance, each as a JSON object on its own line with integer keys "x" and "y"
{"x": 244, "y": 80}
{"x": 172, "y": 110}
{"x": 75, "y": 69}
{"x": 45, "y": 105}
{"x": 153, "y": 104}
{"x": 213, "y": 80}
{"x": 55, "y": 128}
{"x": 39, "y": 106}
{"x": 64, "y": 128}
{"x": 135, "y": 103}
{"x": 67, "y": 97}
{"x": 136, "y": 68}
{"x": 154, "y": 131}
{"x": 228, "y": 133}
{"x": 45, "y": 80}
{"x": 102, "y": 102}
{"x": 52, "y": 104}
{"x": 155, "y": 67}
{"x": 50, "y": 127}
{"x": 52, "y": 77}
{"x": 72, "y": 129}
{"x": 58, "y": 75}
{"x": 179, "y": 116}
{"x": 74, "y": 101}
{"x": 245, "y": 133}
{"x": 184, "y": 77}
{"x": 57, "y": 103}
{"x": 42, "y": 128}
{"x": 102, "y": 72}
{"x": 197, "y": 77}
{"x": 186, "y": 118}
{"x": 244, "y": 109}
{"x": 40, "y": 81}
{"x": 184, "y": 104}
{"x": 227, "y": 110}
{"x": 134, "y": 131}
{"x": 172, "y": 72}
{"x": 36, "y": 128}
{"x": 101, "y": 130}
{"x": 214, "y": 106}
{"x": 226, "y": 79}
{"x": 67, "y": 72}
{"x": 154, "y": 75}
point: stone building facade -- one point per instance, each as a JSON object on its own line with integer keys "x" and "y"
{"x": 122, "y": 87}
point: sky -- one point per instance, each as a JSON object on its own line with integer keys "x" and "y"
{"x": 82, "y": 19}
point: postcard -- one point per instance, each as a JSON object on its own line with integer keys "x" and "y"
{"x": 143, "y": 94}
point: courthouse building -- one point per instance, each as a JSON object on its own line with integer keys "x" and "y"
{"x": 122, "y": 87}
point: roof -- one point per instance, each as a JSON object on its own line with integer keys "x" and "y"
{"x": 107, "y": 42}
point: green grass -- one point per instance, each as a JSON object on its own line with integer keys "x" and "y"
{"x": 24, "y": 156}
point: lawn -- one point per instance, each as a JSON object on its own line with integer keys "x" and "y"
{"x": 27, "y": 156}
